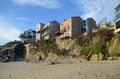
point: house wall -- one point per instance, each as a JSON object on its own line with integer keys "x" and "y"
{"x": 66, "y": 27}
{"x": 71, "y": 27}
{"x": 117, "y": 13}
{"x": 108, "y": 26}
{"x": 117, "y": 19}
{"x": 76, "y": 23}
{"x": 39, "y": 27}
{"x": 54, "y": 27}
{"x": 27, "y": 36}
{"x": 50, "y": 29}
{"x": 91, "y": 24}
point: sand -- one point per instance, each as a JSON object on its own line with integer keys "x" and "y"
{"x": 42, "y": 70}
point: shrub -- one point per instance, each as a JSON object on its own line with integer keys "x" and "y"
{"x": 96, "y": 49}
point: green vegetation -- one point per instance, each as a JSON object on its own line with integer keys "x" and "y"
{"x": 100, "y": 46}
{"x": 114, "y": 44}
{"x": 98, "y": 42}
{"x": 110, "y": 43}
{"x": 96, "y": 49}
{"x": 118, "y": 37}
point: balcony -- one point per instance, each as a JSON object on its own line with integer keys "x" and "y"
{"x": 117, "y": 30}
{"x": 45, "y": 33}
{"x": 110, "y": 28}
{"x": 37, "y": 31}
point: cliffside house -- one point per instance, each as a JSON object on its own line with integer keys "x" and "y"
{"x": 74, "y": 26}
{"x": 109, "y": 26}
{"x": 88, "y": 25}
{"x": 48, "y": 30}
{"x": 71, "y": 27}
{"x": 27, "y": 36}
{"x": 39, "y": 27}
{"x": 117, "y": 19}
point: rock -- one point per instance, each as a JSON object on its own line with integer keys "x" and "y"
{"x": 116, "y": 58}
{"x": 101, "y": 56}
{"x": 119, "y": 58}
{"x": 54, "y": 62}
{"x": 94, "y": 57}
{"x": 110, "y": 58}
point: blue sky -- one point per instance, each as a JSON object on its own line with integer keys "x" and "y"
{"x": 17, "y": 16}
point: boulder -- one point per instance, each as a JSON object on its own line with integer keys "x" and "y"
{"x": 110, "y": 58}
{"x": 94, "y": 57}
{"x": 116, "y": 58}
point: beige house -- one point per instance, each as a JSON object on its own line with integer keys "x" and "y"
{"x": 109, "y": 26}
{"x": 27, "y": 36}
{"x": 46, "y": 31}
{"x": 39, "y": 27}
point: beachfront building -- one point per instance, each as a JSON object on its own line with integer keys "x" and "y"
{"x": 48, "y": 30}
{"x": 39, "y": 27}
{"x": 71, "y": 27}
{"x": 27, "y": 36}
{"x": 117, "y": 19}
{"x": 109, "y": 26}
{"x": 74, "y": 26}
{"x": 88, "y": 25}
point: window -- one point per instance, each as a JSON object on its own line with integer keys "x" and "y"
{"x": 68, "y": 28}
{"x": 64, "y": 30}
{"x": 117, "y": 24}
{"x": 74, "y": 28}
{"x": 68, "y": 20}
{"x": 83, "y": 30}
{"x": 38, "y": 27}
{"x": 117, "y": 16}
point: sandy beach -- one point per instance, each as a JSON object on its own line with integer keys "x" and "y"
{"x": 42, "y": 70}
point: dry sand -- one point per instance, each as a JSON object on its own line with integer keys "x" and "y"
{"x": 81, "y": 70}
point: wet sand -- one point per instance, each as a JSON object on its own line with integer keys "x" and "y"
{"x": 80, "y": 70}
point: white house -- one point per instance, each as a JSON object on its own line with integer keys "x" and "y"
{"x": 27, "y": 36}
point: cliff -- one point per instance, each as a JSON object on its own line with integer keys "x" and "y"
{"x": 103, "y": 44}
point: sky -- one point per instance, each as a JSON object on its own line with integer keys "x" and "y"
{"x": 17, "y": 16}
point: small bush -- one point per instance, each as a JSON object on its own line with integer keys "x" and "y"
{"x": 96, "y": 49}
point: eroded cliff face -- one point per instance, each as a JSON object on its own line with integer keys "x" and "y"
{"x": 114, "y": 48}
{"x": 68, "y": 46}
{"x": 62, "y": 48}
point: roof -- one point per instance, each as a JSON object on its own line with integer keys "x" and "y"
{"x": 41, "y": 23}
{"x": 33, "y": 31}
{"x": 117, "y": 6}
{"x": 72, "y": 17}
{"x": 46, "y": 25}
